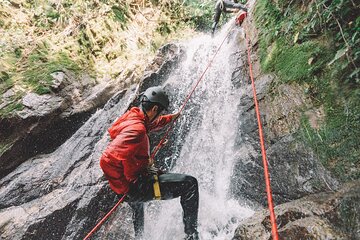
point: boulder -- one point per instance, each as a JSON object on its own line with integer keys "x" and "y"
{"x": 328, "y": 215}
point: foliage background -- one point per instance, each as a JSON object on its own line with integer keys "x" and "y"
{"x": 315, "y": 43}
{"x": 106, "y": 39}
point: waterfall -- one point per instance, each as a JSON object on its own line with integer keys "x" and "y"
{"x": 206, "y": 151}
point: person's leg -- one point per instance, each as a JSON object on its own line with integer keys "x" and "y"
{"x": 216, "y": 18}
{"x": 138, "y": 218}
{"x": 230, "y": 4}
{"x": 173, "y": 185}
{"x": 139, "y": 192}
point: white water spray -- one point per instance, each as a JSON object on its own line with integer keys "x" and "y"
{"x": 207, "y": 151}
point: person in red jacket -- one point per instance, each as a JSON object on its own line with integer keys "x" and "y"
{"x": 129, "y": 170}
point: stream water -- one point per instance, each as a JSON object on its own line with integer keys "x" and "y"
{"x": 206, "y": 151}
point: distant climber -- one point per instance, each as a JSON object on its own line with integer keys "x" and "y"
{"x": 127, "y": 165}
{"x": 225, "y": 6}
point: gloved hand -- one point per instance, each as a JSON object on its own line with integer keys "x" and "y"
{"x": 152, "y": 170}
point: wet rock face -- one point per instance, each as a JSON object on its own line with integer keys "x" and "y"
{"x": 294, "y": 169}
{"x": 63, "y": 194}
{"x": 319, "y": 216}
{"x": 48, "y": 120}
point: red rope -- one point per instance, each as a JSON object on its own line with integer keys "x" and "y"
{"x": 104, "y": 218}
{"x": 274, "y": 229}
{"x": 162, "y": 140}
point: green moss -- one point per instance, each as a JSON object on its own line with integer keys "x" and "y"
{"x": 297, "y": 62}
{"x": 41, "y": 64}
{"x": 303, "y": 44}
{"x": 9, "y": 109}
{"x": 164, "y": 28}
{"x": 52, "y": 14}
{"x": 121, "y": 15}
{"x": 5, "y": 82}
{"x": 337, "y": 143}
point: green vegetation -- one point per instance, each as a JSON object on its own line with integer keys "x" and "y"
{"x": 317, "y": 44}
{"x": 106, "y": 39}
{"x": 9, "y": 109}
{"x": 41, "y": 64}
{"x": 121, "y": 15}
{"x": 197, "y": 14}
{"x": 5, "y": 82}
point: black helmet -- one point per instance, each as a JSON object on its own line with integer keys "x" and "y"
{"x": 156, "y": 95}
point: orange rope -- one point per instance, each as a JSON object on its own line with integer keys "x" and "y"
{"x": 274, "y": 229}
{"x": 104, "y": 218}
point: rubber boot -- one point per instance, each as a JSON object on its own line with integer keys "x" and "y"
{"x": 138, "y": 219}
{"x": 190, "y": 204}
{"x": 194, "y": 236}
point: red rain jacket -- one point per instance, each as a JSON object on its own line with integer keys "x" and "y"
{"x": 127, "y": 155}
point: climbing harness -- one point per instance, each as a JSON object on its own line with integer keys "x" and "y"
{"x": 161, "y": 143}
{"x": 157, "y": 192}
{"x": 274, "y": 229}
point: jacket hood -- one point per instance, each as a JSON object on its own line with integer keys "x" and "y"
{"x": 131, "y": 117}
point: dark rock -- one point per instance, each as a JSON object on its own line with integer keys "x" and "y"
{"x": 40, "y": 105}
{"x": 332, "y": 215}
{"x": 62, "y": 195}
{"x": 64, "y": 187}
{"x": 284, "y": 108}
{"x": 295, "y": 171}
{"x": 159, "y": 69}
{"x": 48, "y": 120}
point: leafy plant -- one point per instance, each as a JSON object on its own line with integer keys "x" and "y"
{"x": 317, "y": 43}
{"x": 121, "y": 14}
{"x": 39, "y": 66}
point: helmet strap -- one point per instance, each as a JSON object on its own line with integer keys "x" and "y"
{"x": 157, "y": 114}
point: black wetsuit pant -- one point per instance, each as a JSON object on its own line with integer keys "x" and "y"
{"x": 172, "y": 185}
{"x": 222, "y": 6}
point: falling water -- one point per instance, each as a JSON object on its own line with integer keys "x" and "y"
{"x": 207, "y": 150}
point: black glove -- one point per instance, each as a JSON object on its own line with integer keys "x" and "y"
{"x": 152, "y": 170}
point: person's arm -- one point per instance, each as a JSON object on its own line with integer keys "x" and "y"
{"x": 231, "y": 5}
{"x": 231, "y": 10}
{"x": 161, "y": 121}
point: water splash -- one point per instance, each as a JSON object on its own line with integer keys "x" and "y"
{"x": 206, "y": 152}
